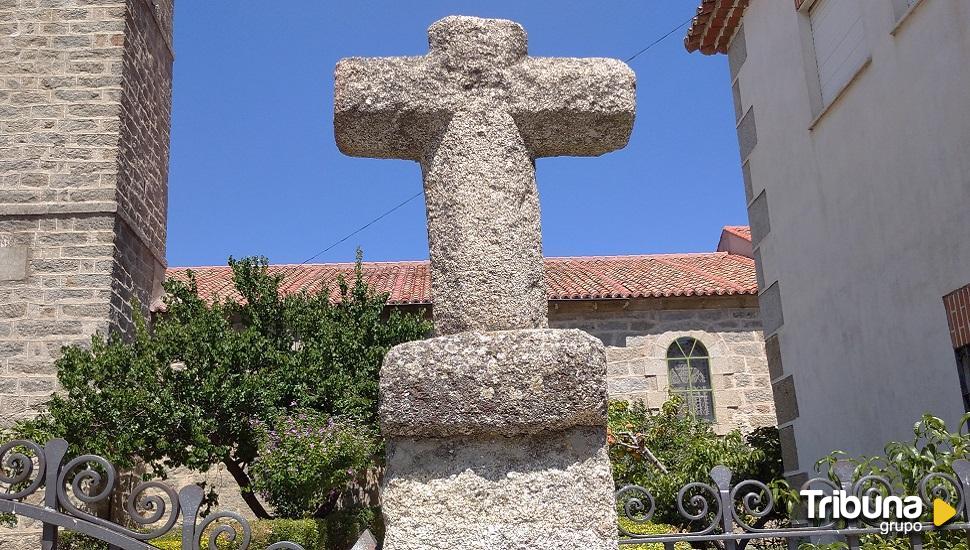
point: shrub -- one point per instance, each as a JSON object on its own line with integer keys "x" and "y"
{"x": 310, "y": 534}
{"x": 643, "y": 445}
{"x": 206, "y": 371}
{"x": 68, "y": 540}
{"x": 650, "y": 529}
{"x": 340, "y": 530}
{"x": 905, "y": 464}
{"x": 306, "y": 459}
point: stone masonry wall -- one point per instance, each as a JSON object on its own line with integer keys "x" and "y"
{"x": 64, "y": 299}
{"x": 85, "y": 103}
{"x": 143, "y": 145}
{"x": 638, "y": 332}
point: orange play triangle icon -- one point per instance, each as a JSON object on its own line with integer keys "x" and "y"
{"x": 942, "y": 512}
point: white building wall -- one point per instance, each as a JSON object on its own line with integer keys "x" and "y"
{"x": 866, "y": 219}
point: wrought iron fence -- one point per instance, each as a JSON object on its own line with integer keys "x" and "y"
{"x": 728, "y": 514}
{"x": 38, "y": 484}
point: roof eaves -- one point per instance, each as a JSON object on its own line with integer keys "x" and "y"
{"x": 714, "y": 26}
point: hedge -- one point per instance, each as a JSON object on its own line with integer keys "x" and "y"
{"x": 341, "y": 531}
{"x": 650, "y": 529}
{"x": 338, "y": 532}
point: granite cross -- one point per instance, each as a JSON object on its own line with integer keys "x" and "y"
{"x": 475, "y": 112}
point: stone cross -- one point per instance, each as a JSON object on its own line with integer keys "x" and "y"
{"x": 475, "y": 112}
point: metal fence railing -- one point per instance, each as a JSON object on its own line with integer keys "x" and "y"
{"x": 37, "y": 482}
{"x": 727, "y": 514}
{"x": 40, "y": 485}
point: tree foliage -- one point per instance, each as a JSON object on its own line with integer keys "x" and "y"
{"x": 904, "y": 465}
{"x": 195, "y": 390}
{"x": 306, "y": 459}
{"x": 665, "y": 451}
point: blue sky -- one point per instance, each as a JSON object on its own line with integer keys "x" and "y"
{"x": 255, "y": 171}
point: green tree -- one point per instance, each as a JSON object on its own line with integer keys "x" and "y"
{"x": 199, "y": 388}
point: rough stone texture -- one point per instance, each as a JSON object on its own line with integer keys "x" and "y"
{"x": 483, "y": 224}
{"x": 773, "y": 355}
{"x": 475, "y": 112}
{"x": 19, "y": 541}
{"x": 494, "y": 383}
{"x": 637, "y": 334}
{"x": 85, "y": 99}
{"x": 759, "y": 218}
{"x": 789, "y": 449}
{"x": 13, "y": 262}
{"x": 547, "y": 491}
{"x": 737, "y": 52}
{"x": 84, "y": 120}
{"x": 786, "y": 399}
{"x": 530, "y": 405}
{"x": 747, "y": 134}
{"x": 772, "y": 311}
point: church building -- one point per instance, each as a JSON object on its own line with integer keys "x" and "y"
{"x": 86, "y": 113}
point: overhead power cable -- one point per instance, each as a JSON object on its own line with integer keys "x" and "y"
{"x": 659, "y": 40}
{"x": 363, "y": 227}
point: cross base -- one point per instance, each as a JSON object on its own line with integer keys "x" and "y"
{"x": 497, "y": 440}
{"x": 553, "y": 490}
{"x": 507, "y": 382}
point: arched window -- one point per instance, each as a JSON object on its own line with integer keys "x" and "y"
{"x": 690, "y": 376}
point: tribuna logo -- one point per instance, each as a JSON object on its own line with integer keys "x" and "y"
{"x": 897, "y": 514}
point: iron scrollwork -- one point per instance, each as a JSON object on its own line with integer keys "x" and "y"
{"x": 734, "y": 514}
{"x": 18, "y": 468}
{"x": 72, "y": 488}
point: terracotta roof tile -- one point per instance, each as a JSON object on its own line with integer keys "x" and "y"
{"x": 714, "y": 25}
{"x": 743, "y": 231}
{"x": 575, "y": 278}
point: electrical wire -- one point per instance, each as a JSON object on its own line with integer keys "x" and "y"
{"x": 659, "y": 40}
{"x": 363, "y": 227}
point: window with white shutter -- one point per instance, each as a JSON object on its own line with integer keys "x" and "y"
{"x": 840, "y": 45}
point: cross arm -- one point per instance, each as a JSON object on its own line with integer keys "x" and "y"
{"x": 574, "y": 106}
{"x": 385, "y": 107}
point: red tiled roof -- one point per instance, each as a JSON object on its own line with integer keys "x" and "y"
{"x": 577, "y": 278}
{"x": 743, "y": 231}
{"x": 714, "y": 25}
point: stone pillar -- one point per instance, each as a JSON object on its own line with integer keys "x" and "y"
{"x": 496, "y": 430}
{"x": 85, "y": 104}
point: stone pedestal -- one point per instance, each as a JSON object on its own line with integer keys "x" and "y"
{"x": 497, "y": 440}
